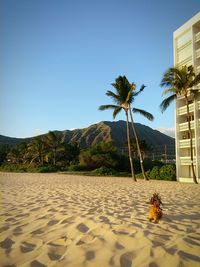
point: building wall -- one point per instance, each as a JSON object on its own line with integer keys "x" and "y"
{"x": 187, "y": 52}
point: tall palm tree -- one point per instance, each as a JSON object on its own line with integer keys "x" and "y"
{"x": 120, "y": 100}
{"x": 37, "y": 149}
{"x": 54, "y": 141}
{"x": 18, "y": 153}
{"x": 130, "y": 99}
{"x": 180, "y": 81}
{"x": 124, "y": 98}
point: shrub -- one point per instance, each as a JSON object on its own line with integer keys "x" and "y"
{"x": 168, "y": 172}
{"x": 105, "y": 171}
{"x": 8, "y": 167}
{"x": 43, "y": 169}
{"x": 28, "y": 168}
{"x": 74, "y": 168}
{"x": 155, "y": 173}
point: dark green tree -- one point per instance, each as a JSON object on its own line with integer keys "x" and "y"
{"x": 4, "y": 150}
{"x": 69, "y": 153}
{"x": 101, "y": 154}
{"x": 18, "y": 153}
{"x": 37, "y": 149}
{"x": 54, "y": 141}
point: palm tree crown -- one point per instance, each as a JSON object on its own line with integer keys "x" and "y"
{"x": 178, "y": 81}
{"x": 124, "y": 97}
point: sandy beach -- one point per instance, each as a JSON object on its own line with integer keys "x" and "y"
{"x": 76, "y": 221}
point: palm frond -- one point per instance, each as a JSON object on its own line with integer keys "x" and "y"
{"x": 195, "y": 81}
{"x": 171, "y": 77}
{"x": 116, "y": 111}
{"x": 122, "y": 87}
{"x": 104, "y": 107}
{"x": 169, "y": 90}
{"x": 140, "y": 90}
{"x": 115, "y": 97}
{"x": 144, "y": 113}
{"x": 166, "y": 102}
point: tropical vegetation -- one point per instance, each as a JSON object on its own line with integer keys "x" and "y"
{"x": 181, "y": 81}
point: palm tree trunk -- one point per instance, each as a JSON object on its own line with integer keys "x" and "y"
{"x": 191, "y": 146}
{"x": 129, "y": 147}
{"x": 138, "y": 148}
{"x": 54, "y": 157}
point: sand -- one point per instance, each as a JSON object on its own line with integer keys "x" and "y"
{"x": 76, "y": 221}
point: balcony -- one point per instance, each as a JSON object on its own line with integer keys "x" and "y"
{"x": 197, "y": 37}
{"x": 185, "y": 143}
{"x": 187, "y": 160}
{"x": 198, "y": 53}
{"x": 185, "y": 179}
{"x": 183, "y": 110}
{"x": 198, "y": 70}
{"x": 184, "y": 126}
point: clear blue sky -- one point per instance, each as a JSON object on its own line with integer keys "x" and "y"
{"x": 59, "y": 57}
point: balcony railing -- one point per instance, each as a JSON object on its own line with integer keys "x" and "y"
{"x": 184, "y": 126}
{"x": 198, "y": 69}
{"x": 187, "y": 161}
{"x": 197, "y": 37}
{"x": 183, "y": 110}
{"x": 185, "y": 143}
{"x": 198, "y": 53}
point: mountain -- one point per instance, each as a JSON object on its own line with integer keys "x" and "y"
{"x": 12, "y": 141}
{"x": 106, "y": 131}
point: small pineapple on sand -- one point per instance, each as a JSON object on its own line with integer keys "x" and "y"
{"x": 155, "y": 211}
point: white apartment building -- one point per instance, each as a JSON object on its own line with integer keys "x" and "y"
{"x": 187, "y": 52}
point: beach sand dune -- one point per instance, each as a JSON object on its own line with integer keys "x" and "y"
{"x": 76, "y": 221}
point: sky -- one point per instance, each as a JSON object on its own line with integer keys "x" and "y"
{"x": 59, "y": 57}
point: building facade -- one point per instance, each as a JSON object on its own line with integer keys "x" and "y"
{"x": 187, "y": 52}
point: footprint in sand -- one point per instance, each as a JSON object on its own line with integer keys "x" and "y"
{"x": 7, "y": 243}
{"x": 90, "y": 255}
{"x": 85, "y": 240}
{"x": 27, "y": 247}
{"x": 34, "y": 209}
{"x": 153, "y": 264}
{"x": 36, "y": 263}
{"x": 119, "y": 246}
{"x": 82, "y": 228}
{"x": 52, "y": 222}
{"x": 126, "y": 259}
{"x": 54, "y": 256}
{"x": 11, "y": 219}
{"x": 17, "y": 231}
{"x": 4, "y": 228}
{"x": 38, "y": 231}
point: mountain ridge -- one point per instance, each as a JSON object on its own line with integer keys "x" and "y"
{"x": 113, "y": 131}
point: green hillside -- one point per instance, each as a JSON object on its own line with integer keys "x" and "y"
{"x": 105, "y": 131}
